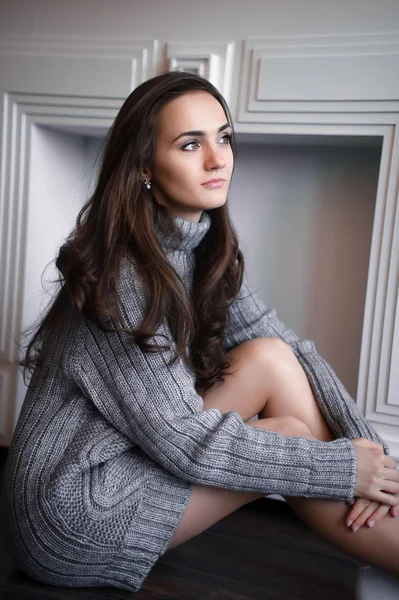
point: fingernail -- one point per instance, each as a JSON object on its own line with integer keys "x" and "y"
{"x": 350, "y": 523}
{"x": 356, "y": 527}
{"x": 372, "y": 524}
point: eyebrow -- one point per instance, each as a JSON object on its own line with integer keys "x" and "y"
{"x": 199, "y": 132}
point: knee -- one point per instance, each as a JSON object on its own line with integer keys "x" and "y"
{"x": 273, "y": 352}
{"x": 268, "y": 347}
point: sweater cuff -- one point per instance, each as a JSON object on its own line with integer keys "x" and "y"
{"x": 338, "y": 459}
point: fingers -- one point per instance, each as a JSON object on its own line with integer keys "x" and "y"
{"x": 387, "y": 485}
{"x": 360, "y": 507}
{"x": 390, "y": 462}
{"x": 390, "y": 492}
{"x": 391, "y": 475}
{"x": 377, "y": 515}
{"x": 384, "y": 498}
{"x": 372, "y": 514}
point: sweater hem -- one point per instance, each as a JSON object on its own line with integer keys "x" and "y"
{"x": 156, "y": 521}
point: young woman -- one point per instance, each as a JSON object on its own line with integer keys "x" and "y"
{"x": 153, "y": 357}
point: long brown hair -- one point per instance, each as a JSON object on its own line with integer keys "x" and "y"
{"x": 118, "y": 221}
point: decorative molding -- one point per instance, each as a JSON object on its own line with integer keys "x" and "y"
{"x": 214, "y": 61}
{"x": 75, "y": 83}
{"x": 8, "y": 374}
{"x": 377, "y": 361}
{"x": 393, "y": 386}
{"x": 4, "y": 381}
{"x": 259, "y": 111}
{"x": 141, "y": 52}
{"x": 20, "y": 112}
{"x": 329, "y": 74}
{"x": 342, "y": 86}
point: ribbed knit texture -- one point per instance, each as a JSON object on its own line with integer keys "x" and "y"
{"x": 107, "y": 448}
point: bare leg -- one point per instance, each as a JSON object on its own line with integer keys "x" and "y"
{"x": 291, "y": 395}
{"x": 379, "y": 546}
{"x": 276, "y": 387}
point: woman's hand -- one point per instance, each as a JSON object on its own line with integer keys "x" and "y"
{"x": 368, "y": 510}
{"x": 377, "y": 478}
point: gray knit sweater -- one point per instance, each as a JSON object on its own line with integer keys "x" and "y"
{"x": 109, "y": 445}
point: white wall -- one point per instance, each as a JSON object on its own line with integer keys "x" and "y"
{"x": 60, "y": 180}
{"x": 312, "y": 208}
{"x": 56, "y": 165}
{"x": 305, "y": 219}
{"x": 192, "y": 20}
{"x": 304, "y": 216}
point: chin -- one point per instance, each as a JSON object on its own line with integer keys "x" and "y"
{"x": 214, "y": 203}
{"x": 219, "y": 204}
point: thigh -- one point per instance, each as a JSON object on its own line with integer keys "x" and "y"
{"x": 245, "y": 391}
{"x": 246, "y": 388}
{"x": 207, "y": 506}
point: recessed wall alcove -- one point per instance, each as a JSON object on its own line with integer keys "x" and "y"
{"x": 314, "y": 205}
{"x": 61, "y": 175}
{"x": 303, "y": 207}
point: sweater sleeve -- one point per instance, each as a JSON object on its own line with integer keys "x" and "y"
{"x": 249, "y": 318}
{"x": 156, "y": 406}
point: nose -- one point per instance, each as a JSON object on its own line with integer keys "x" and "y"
{"x": 214, "y": 158}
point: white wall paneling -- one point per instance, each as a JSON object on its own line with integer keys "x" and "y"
{"x": 214, "y": 61}
{"x": 60, "y": 82}
{"x": 8, "y": 384}
{"x": 22, "y": 111}
{"x": 282, "y": 78}
{"x": 82, "y": 67}
{"x": 330, "y": 86}
{"x": 393, "y": 395}
{"x": 340, "y": 86}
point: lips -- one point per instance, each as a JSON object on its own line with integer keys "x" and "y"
{"x": 219, "y": 180}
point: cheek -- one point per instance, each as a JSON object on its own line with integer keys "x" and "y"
{"x": 229, "y": 160}
{"x": 176, "y": 175}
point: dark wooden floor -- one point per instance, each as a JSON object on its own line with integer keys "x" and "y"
{"x": 261, "y": 552}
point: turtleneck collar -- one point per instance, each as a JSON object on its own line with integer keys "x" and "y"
{"x": 191, "y": 233}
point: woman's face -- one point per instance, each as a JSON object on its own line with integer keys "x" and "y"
{"x": 192, "y": 148}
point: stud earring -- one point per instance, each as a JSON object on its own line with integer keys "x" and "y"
{"x": 147, "y": 183}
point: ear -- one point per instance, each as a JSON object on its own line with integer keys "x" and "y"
{"x": 145, "y": 174}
